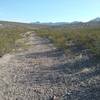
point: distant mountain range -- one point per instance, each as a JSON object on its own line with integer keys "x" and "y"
{"x": 96, "y": 20}
{"x": 93, "y": 22}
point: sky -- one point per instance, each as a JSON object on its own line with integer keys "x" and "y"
{"x": 49, "y": 10}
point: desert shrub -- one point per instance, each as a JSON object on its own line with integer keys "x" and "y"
{"x": 88, "y": 37}
{"x": 8, "y": 36}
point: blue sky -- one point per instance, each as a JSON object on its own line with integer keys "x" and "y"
{"x": 49, "y": 10}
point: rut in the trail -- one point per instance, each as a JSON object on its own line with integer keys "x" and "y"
{"x": 43, "y": 72}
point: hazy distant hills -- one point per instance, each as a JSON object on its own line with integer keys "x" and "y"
{"x": 8, "y": 24}
{"x": 92, "y": 23}
{"x": 96, "y": 20}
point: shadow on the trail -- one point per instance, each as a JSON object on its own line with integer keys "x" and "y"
{"x": 89, "y": 93}
{"x": 51, "y": 53}
{"x": 59, "y": 73}
{"x": 74, "y": 67}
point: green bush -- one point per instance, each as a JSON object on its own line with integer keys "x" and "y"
{"x": 8, "y": 36}
{"x": 88, "y": 37}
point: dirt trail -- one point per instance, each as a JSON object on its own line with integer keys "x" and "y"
{"x": 41, "y": 72}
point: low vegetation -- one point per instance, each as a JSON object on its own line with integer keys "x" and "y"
{"x": 8, "y": 36}
{"x": 87, "y": 37}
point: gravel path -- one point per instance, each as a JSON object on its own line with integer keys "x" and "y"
{"x": 42, "y": 72}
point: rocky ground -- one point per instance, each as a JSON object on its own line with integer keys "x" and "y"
{"x": 39, "y": 71}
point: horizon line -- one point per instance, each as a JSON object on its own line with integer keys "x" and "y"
{"x": 30, "y": 22}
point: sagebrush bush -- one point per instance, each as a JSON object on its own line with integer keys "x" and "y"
{"x": 8, "y": 36}
{"x": 87, "y": 37}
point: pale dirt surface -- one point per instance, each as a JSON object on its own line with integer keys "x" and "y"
{"x": 41, "y": 72}
{"x": 5, "y": 59}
